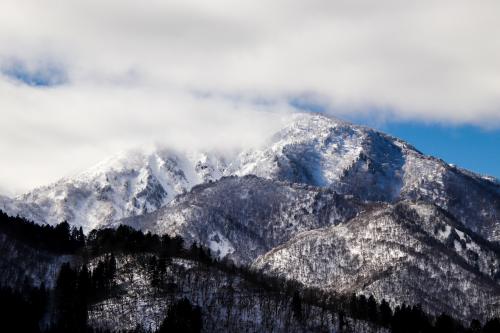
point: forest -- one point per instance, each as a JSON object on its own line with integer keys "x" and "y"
{"x": 91, "y": 278}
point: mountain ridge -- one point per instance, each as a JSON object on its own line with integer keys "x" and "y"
{"x": 332, "y": 205}
{"x": 311, "y": 148}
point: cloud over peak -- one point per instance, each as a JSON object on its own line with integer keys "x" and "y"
{"x": 123, "y": 72}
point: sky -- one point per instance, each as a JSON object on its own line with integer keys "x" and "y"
{"x": 83, "y": 79}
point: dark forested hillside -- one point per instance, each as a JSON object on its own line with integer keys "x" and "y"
{"x": 124, "y": 280}
{"x": 59, "y": 239}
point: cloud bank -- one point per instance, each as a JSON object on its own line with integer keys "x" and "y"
{"x": 80, "y": 79}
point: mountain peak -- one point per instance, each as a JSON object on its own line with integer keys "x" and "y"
{"x": 311, "y": 148}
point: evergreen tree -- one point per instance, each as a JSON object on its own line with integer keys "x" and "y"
{"x": 81, "y": 237}
{"x": 385, "y": 313}
{"x": 372, "y": 311}
{"x": 110, "y": 269}
{"x": 21, "y": 311}
{"x": 297, "y": 306}
{"x": 84, "y": 283}
{"x": 342, "y": 321}
{"x": 362, "y": 307}
{"x": 154, "y": 272}
{"x": 445, "y": 324}
{"x": 492, "y": 326}
{"x": 475, "y": 326}
{"x": 182, "y": 317}
{"x": 353, "y": 306}
{"x": 72, "y": 309}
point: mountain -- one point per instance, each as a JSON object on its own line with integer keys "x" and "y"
{"x": 310, "y": 149}
{"x": 373, "y": 166}
{"x": 118, "y": 280}
{"x": 406, "y": 253}
{"x": 337, "y": 207}
{"x": 128, "y": 184}
{"x": 244, "y": 217}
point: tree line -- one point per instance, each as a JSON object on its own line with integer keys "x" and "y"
{"x": 59, "y": 239}
{"x": 26, "y": 308}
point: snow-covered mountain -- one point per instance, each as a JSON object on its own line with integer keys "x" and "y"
{"x": 127, "y": 184}
{"x": 244, "y": 217}
{"x": 373, "y": 166}
{"x": 406, "y": 253}
{"x": 310, "y": 149}
{"x": 325, "y": 202}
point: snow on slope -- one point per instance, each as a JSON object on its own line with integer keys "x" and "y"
{"x": 311, "y": 149}
{"x": 373, "y": 166}
{"x": 128, "y": 184}
{"x": 243, "y": 217}
{"x": 229, "y": 302}
{"x": 411, "y": 252}
{"x": 317, "y": 174}
{"x": 407, "y": 253}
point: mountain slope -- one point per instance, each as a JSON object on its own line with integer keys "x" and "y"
{"x": 242, "y": 218}
{"x": 371, "y": 165}
{"x": 125, "y": 185}
{"x": 311, "y": 149}
{"x": 407, "y": 253}
{"x": 326, "y": 152}
{"x": 330, "y": 204}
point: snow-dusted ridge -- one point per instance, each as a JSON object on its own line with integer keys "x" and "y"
{"x": 244, "y": 217}
{"x": 411, "y": 252}
{"x": 124, "y": 185}
{"x": 325, "y": 202}
{"x": 310, "y": 149}
{"x": 406, "y": 253}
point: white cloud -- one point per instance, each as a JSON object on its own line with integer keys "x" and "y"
{"x": 55, "y": 132}
{"x": 133, "y": 66}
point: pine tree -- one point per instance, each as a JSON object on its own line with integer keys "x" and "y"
{"x": 72, "y": 311}
{"x": 475, "y": 326}
{"x": 182, "y": 317}
{"x": 372, "y": 311}
{"x": 342, "y": 321}
{"x": 445, "y": 324}
{"x": 385, "y": 313}
{"x": 84, "y": 282}
{"x": 362, "y": 307}
{"x": 492, "y": 326}
{"x": 297, "y": 306}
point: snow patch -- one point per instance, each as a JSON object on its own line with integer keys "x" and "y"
{"x": 444, "y": 234}
{"x": 219, "y": 245}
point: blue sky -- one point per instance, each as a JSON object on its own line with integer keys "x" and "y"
{"x": 43, "y": 75}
